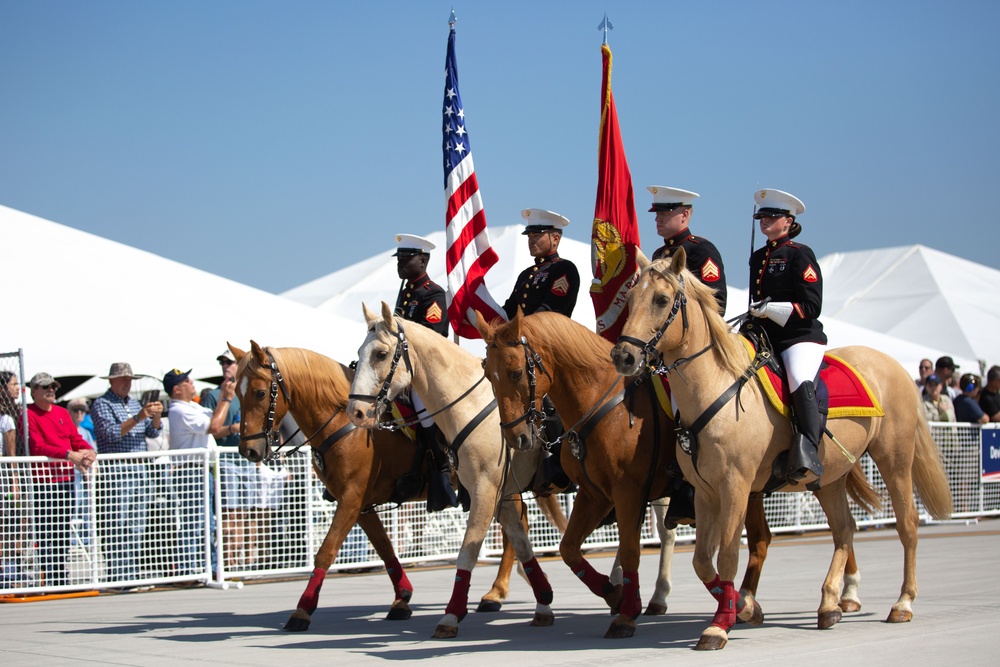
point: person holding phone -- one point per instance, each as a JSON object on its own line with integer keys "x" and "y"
{"x": 124, "y": 492}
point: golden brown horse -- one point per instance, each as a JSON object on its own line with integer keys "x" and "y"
{"x": 360, "y": 466}
{"x": 627, "y": 452}
{"x": 735, "y": 449}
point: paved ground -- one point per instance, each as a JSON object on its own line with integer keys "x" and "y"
{"x": 956, "y": 619}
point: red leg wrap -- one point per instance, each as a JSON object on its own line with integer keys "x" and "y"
{"x": 725, "y": 593}
{"x": 310, "y": 598}
{"x": 400, "y": 583}
{"x": 539, "y": 582}
{"x": 459, "y": 603}
{"x": 599, "y": 584}
{"x": 631, "y": 601}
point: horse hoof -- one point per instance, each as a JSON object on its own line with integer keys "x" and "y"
{"x": 489, "y": 606}
{"x": 542, "y": 620}
{"x": 298, "y": 622}
{"x": 899, "y": 616}
{"x": 400, "y": 611}
{"x": 850, "y": 606}
{"x": 445, "y": 632}
{"x": 655, "y": 609}
{"x": 712, "y": 639}
{"x": 752, "y": 614}
{"x": 621, "y": 628}
{"x": 828, "y": 619}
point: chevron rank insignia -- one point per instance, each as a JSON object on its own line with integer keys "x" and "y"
{"x": 710, "y": 272}
{"x": 433, "y": 314}
{"x": 560, "y": 287}
{"x": 810, "y": 275}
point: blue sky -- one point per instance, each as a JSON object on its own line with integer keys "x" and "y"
{"x": 274, "y": 142}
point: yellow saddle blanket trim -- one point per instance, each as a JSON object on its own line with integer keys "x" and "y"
{"x": 863, "y": 404}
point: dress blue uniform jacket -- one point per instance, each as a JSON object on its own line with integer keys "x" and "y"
{"x": 423, "y": 301}
{"x": 703, "y": 260}
{"x": 788, "y": 271}
{"x": 551, "y": 284}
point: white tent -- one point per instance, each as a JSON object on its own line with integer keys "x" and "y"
{"x": 187, "y": 324}
{"x": 374, "y": 280}
{"x": 918, "y": 294}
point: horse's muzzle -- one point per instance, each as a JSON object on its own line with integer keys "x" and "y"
{"x": 625, "y": 360}
{"x": 361, "y": 413}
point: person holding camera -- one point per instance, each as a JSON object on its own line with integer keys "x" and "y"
{"x": 124, "y": 493}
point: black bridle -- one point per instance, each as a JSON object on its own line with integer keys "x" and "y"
{"x": 402, "y": 352}
{"x": 533, "y": 416}
{"x": 651, "y": 356}
{"x": 270, "y": 436}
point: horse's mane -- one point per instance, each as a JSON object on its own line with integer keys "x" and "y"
{"x": 326, "y": 380}
{"x": 557, "y": 333}
{"x": 729, "y": 350}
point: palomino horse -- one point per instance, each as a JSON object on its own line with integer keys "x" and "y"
{"x": 450, "y": 382}
{"x": 624, "y": 446}
{"x": 359, "y": 467}
{"x": 730, "y": 452}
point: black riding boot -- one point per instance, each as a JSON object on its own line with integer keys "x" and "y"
{"x": 554, "y": 478}
{"x": 440, "y": 492}
{"x": 803, "y": 457}
{"x": 681, "y": 507}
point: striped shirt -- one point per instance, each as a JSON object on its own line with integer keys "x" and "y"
{"x": 109, "y": 412}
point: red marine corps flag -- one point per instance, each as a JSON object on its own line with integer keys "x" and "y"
{"x": 469, "y": 255}
{"x": 614, "y": 237}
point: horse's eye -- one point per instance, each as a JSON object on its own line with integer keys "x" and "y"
{"x": 259, "y": 394}
{"x": 381, "y": 355}
{"x": 517, "y": 375}
{"x": 661, "y": 300}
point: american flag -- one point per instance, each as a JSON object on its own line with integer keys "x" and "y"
{"x": 470, "y": 254}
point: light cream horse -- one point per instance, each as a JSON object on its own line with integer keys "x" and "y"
{"x": 734, "y": 451}
{"x": 397, "y": 355}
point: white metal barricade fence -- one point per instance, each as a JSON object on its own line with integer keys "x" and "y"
{"x": 210, "y": 516}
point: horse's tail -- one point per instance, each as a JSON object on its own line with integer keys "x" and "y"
{"x": 553, "y": 511}
{"x": 862, "y": 492}
{"x": 928, "y": 472}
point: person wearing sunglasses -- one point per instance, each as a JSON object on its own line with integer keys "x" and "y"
{"x": 926, "y": 368}
{"x": 52, "y": 433}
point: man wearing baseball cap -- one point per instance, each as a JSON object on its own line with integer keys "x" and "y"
{"x": 190, "y": 427}
{"x": 52, "y": 433}
{"x": 945, "y": 368}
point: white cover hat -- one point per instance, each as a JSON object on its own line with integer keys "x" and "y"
{"x": 667, "y": 199}
{"x": 408, "y": 244}
{"x": 539, "y": 220}
{"x": 776, "y": 201}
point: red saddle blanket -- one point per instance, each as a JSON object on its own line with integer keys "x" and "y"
{"x": 849, "y": 393}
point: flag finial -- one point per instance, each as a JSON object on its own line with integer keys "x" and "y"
{"x": 452, "y": 20}
{"x": 605, "y": 26}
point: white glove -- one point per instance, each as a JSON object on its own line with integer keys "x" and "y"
{"x": 778, "y": 311}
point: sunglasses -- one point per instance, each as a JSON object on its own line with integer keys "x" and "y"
{"x": 83, "y": 410}
{"x": 46, "y": 387}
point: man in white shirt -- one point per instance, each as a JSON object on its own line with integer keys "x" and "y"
{"x": 191, "y": 426}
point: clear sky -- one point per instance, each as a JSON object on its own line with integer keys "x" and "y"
{"x": 274, "y": 142}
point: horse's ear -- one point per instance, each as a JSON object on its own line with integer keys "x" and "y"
{"x": 258, "y": 353}
{"x": 484, "y": 328}
{"x": 370, "y": 317}
{"x": 388, "y": 318}
{"x": 237, "y": 352}
{"x": 515, "y": 324}
{"x": 678, "y": 261}
{"x": 641, "y": 261}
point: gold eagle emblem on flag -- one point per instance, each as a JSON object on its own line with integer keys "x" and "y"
{"x": 433, "y": 314}
{"x": 608, "y": 253}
